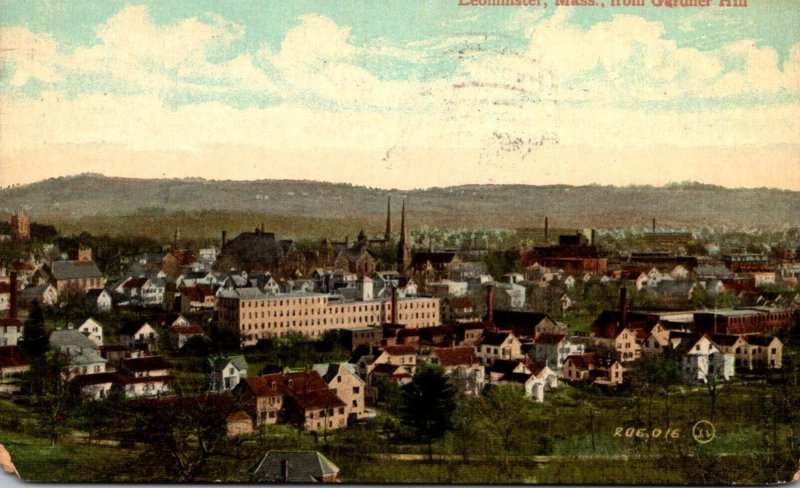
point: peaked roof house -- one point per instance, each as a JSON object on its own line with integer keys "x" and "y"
{"x": 82, "y": 275}
{"x": 302, "y": 399}
{"x": 498, "y": 345}
{"x": 344, "y": 381}
{"x": 701, "y": 360}
{"x": 226, "y": 372}
{"x": 294, "y": 467}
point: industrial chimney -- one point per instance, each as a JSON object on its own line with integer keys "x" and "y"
{"x": 594, "y": 237}
{"x": 490, "y": 305}
{"x": 623, "y": 305}
{"x": 546, "y": 225}
{"x": 224, "y": 237}
{"x": 394, "y": 304}
{"x": 12, "y": 302}
{"x": 654, "y": 226}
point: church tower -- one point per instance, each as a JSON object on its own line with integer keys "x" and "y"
{"x": 387, "y": 236}
{"x": 403, "y": 251}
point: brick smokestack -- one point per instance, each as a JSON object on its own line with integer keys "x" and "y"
{"x": 594, "y": 237}
{"x": 224, "y": 237}
{"x": 654, "y": 226}
{"x": 12, "y": 302}
{"x": 394, "y": 304}
{"x": 623, "y": 305}
{"x": 546, "y": 226}
{"x": 490, "y": 305}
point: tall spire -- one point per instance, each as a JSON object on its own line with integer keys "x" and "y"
{"x": 387, "y": 236}
{"x": 403, "y": 224}
{"x": 403, "y": 252}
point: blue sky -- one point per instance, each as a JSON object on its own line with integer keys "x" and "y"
{"x": 401, "y": 92}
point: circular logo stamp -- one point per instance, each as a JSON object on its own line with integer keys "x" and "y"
{"x": 703, "y": 432}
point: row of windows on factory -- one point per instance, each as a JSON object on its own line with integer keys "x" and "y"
{"x": 365, "y": 319}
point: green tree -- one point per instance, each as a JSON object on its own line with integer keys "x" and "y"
{"x": 655, "y": 375}
{"x": 35, "y": 341}
{"x": 51, "y": 395}
{"x": 181, "y": 433}
{"x": 428, "y": 404}
{"x": 504, "y": 417}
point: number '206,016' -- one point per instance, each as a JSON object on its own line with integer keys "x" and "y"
{"x": 644, "y": 433}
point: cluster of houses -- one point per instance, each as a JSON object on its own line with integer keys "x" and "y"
{"x": 439, "y": 307}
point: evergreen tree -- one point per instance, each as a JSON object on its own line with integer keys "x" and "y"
{"x": 428, "y": 404}
{"x": 35, "y": 341}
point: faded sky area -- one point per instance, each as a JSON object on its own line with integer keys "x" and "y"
{"x": 401, "y": 94}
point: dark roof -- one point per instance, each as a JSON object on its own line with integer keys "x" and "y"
{"x": 494, "y": 338}
{"x": 435, "y": 258}
{"x": 303, "y": 467}
{"x": 521, "y": 322}
{"x": 454, "y": 356}
{"x": 253, "y": 250}
{"x": 134, "y": 283}
{"x": 10, "y": 323}
{"x": 583, "y": 361}
{"x": 385, "y": 368}
{"x": 724, "y": 340}
{"x": 198, "y": 292}
{"x": 94, "y": 379}
{"x": 131, "y": 327}
{"x": 516, "y": 377}
{"x": 504, "y": 366}
{"x": 687, "y": 343}
{"x": 551, "y": 339}
{"x": 400, "y": 350}
{"x": 149, "y": 363}
{"x": 759, "y": 340}
{"x": 11, "y": 357}
{"x": 129, "y": 380}
{"x": 306, "y": 388}
{"x": 94, "y": 293}
{"x": 193, "y": 329}
{"x": 459, "y": 302}
{"x": 74, "y": 270}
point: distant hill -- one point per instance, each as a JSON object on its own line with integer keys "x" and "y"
{"x": 494, "y": 206}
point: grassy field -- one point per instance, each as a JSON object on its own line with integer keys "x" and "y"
{"x": 747, "y": 447}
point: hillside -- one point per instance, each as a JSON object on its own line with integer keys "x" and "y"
{"x": 495, "y": 206}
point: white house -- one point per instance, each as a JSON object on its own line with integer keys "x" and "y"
{"x": 701, "y": 360}
{"x": 138, "y": 336}
{"x": 552, "y": 350}
{"x": 99, "y": 300}
{"x": 498, "y": 345}
{"x": 153, "y": 292}
{"x": 146, "y": 376}
{"x": 226, "y": 373}
{"x": 10, "y": 331}
{"x": 93, "y": 330}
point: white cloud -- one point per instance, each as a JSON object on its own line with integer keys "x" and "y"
{"x": 565, "y": 85}
{"x": 31, "y": 54}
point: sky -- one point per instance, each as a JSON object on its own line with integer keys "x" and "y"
{"x": 401, "y": 95}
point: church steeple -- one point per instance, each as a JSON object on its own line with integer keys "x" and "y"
{"x": 403, "y": 251}
{"x": 387, "y": 236}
